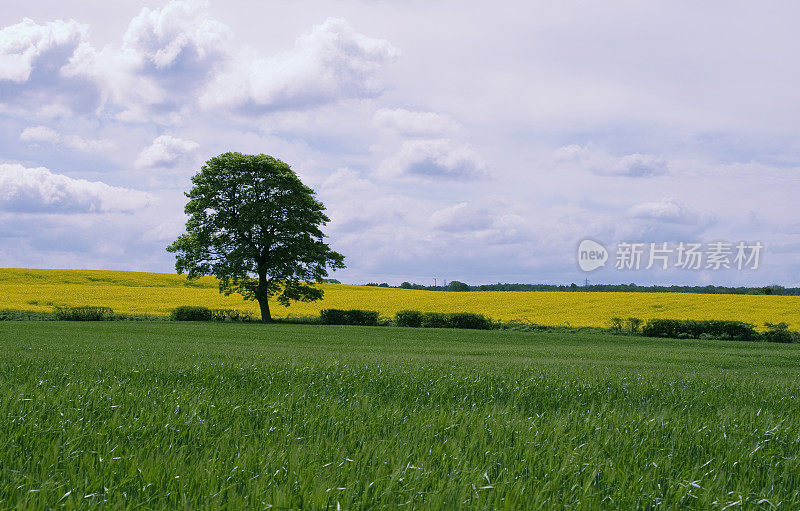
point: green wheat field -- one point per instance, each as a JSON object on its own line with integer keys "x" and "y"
{"x": 170, "y": 415}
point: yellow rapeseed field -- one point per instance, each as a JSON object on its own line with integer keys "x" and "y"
{"x": 158, "y": 293}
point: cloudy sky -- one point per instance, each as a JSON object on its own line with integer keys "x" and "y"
{"x": 453, "y": 140}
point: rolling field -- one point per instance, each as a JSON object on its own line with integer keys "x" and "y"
{"x": 210, "y": 416}
{"x": 157, "y": 294}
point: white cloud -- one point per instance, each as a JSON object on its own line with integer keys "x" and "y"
{"x": 165, "y": 231}
{"x": 375, "y": 207}
{"x": 26, "y": 44}
{"x": 166, "y": 56}
{"x": 434, "y": 159}
{"x": 603, "y": 164}
{"x": 43, "y": 134}
{"x": 664, "y": 210}
{"x": 329, "y": 63}
{"x": 173, "y": 57}
{"x": 415, "y": 124}
{"x": 167, "y": 151}
{"x": 181, "y": 34}
{"x": 37, "y": 190}
{"x": 33, "y": 69}
{"x": 461, "y": 217}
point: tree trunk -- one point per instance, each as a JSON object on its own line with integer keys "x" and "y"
{"x": 265, "y": 315}
{"x": 263, "y": 297}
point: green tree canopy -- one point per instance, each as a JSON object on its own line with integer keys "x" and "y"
{"x": 256, "y": 227}
{"x": 456, "y": 285}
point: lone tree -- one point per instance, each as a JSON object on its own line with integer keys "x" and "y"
{"x": 256, "y": 227}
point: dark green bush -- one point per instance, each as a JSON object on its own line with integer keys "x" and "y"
{"x": 454, "y": 320}
{"x": 469, "y": 320}
{"x": 360, "y": 317}
{"x": 779, "y": 333}
{"x": 84, "y": 313}
{"x": 191, "y": 313}
{"x": 332, "y": 317}
{"x": 409, "y": 318}
{"x": 693, "y": 329}
{"x": 348, "y": 317}
{"x": 435, "y": 320}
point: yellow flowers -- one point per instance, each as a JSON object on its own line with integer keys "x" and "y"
{"x": 158, "y": 294}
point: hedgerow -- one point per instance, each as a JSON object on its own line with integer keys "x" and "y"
{"x": 443, "y": 320}
{"x": 694, "y": 329}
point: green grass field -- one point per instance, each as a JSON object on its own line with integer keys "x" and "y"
{"x": 194, "y": 416}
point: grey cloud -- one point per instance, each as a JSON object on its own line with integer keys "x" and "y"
{"x": 640, "y": 165}
{"x": 434, "y": 159}
{"x": 603, "y": 164}
{"x": 414, "y": 124}
{"x": 45, "y": 135}
{"x": 664, "y": 220}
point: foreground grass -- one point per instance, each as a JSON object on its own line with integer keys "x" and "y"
{"x": 176, "y": 415}
{"x": 158, "y": 293}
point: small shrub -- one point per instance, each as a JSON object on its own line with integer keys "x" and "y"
{"x": 231, "y": 315}
{"x": 348, "y": 317}
{"x": 522, "y": 326}
{"x": 633, "y": 325}
{"x": 299, "y": 320}
{"x": 617, "y": 324}
{"x": 409, "y": 318}
{"x": 191, "y": 313}
{"x": 84, "y": 313}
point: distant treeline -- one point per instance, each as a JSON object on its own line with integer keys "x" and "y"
{"x": 455, "y": 285}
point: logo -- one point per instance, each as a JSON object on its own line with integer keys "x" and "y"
{"x": 716, "y": 256}
{"x": 591, "y": 255}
